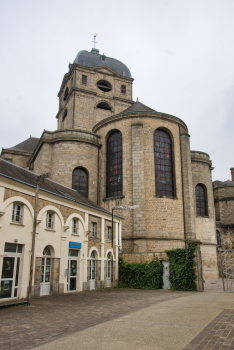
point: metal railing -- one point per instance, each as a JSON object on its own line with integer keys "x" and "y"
{"x": 227, "y": 268}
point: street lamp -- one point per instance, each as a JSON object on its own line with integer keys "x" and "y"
{"x": 130, "y": 207}
{"x": 39, "y": 181}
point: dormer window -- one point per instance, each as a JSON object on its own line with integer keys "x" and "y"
{"x": 17, "y": 213}
{"x": 104, "y": 85}
{"x": 84, "y": 79}
{"x": 103, "y": 57}
{"x": 123, "y": 73}
{"x": 65, "y": 94}
{"x": 64, "y": 115}
{"x": 104, "y": 105}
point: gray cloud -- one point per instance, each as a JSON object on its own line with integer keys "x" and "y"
{"x": 179, "y": 52}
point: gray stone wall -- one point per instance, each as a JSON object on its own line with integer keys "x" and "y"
{"x": 158, "y": 224}
{"x": 60, "y": 157}
{"x": 82, "y": 101}
{"x": 17, "y": 158}
{"x": 205, "y": 225}
{"x": 224, "y": 208}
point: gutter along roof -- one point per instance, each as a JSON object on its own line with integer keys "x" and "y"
{"x": 26, "y": 177}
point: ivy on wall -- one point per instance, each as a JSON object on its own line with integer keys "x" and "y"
{"x": 142, "y": 275}
{"x": 182, "y": 268}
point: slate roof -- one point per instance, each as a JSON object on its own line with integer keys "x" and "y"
{"x": 91, "y": 59}
{"x": 26, "y": 146}
{"x": 137, "y": 107}
{"x": 14, "y": 172}
{"x": 227, "y": 183}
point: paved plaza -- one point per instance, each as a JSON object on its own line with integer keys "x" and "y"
{"x": 122, "y": 319}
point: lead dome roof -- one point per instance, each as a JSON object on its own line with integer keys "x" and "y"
{"x": 94, "y": 59}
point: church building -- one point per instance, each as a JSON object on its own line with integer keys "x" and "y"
{"x": 117, "y": 152}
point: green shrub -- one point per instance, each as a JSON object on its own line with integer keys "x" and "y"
{"x": 182, "y": 272}
{"x": 141, "y": 276}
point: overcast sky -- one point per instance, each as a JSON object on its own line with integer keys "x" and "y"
{"x": 180, "y": 53}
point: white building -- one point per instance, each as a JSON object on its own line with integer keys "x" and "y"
{"x": 73, "y": 249}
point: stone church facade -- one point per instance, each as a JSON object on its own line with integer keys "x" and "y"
{"x": 119, "y": 152}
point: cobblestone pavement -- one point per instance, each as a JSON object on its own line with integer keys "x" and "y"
{"x": 219, "y": 334}
{"x": 23, "y": 327}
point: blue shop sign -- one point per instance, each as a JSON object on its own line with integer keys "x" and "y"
{"x": 75, "y": 245}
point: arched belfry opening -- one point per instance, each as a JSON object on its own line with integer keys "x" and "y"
{"x": 104, "y": 105}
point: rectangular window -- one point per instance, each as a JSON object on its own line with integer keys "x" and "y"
{"x": 84, "y": 79}
{"x": 49, "y": 220}
{"x": 74, "y": 226}
{"x": 17, "y": 213}
{"x": 93, "y": 229}
{"x": 73, "y": 252}
{"x": 123, "y": 89}
{"x": 109, "y": 232}
{"x": 13, "y": 248}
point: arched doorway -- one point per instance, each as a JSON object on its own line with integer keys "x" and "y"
{"x": 108, "y": 270}
{"x": 45, "y": 272}
{"x": 92, "y": 272}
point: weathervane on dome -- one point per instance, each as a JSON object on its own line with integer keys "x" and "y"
{"x": 95, "y": 42}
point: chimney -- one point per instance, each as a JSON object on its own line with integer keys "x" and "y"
{"x": 232, "y": 172}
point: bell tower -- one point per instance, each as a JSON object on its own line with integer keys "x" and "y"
{"x": 95, "y": 87}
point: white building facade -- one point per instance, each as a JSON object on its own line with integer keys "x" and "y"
{"x": 73, "y": 249}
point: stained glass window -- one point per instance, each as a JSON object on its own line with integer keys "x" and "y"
{"x": 80, "y": 181}
{"x": 114, "y": 182}
{"x": 201, "y": 200}
{"x": 164, "y": 177}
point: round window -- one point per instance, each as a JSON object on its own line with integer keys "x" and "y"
{"x": 104, "y": 85}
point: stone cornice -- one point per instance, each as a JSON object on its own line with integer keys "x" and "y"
{"x": 199, "y": 160}
{"x": 74, "y": 89}
{"x": 97, "y": 69}
{"x": 66, "y": 135}
{"x": 5, "y": 150}
{"x": 224, "y": 199}
{"x": 202, "y": 157}
{"x": 152, "y": 238}
{"x": 220, "y": 225}
{"x": 122, "y": 116}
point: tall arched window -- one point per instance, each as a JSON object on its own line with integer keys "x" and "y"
{"x": 201, "y": 204}
{"x": 114, "y": 182}
{"x": 164, "y": 177}
{"x": 80, "y": 181}
{"x": 218, "y": 238}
